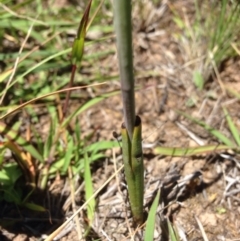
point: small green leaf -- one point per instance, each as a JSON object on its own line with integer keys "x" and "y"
{"x": 9, "y": 174}
{"x": 221, "y": 210}
{"x": 198, "y": 80}
{"x": 34, "y": 207}
{"x": 149, "y": 233}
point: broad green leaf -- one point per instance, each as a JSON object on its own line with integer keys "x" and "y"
{"x": 150, "y": 224}
{"x": 9, "y": 174}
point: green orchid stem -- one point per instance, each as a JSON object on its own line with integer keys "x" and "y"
{"x": 123, "y": 29}
{"x": 134, "y": 170}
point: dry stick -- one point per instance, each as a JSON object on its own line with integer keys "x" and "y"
{"x": 57, "y": 231}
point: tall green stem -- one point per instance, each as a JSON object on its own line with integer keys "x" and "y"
{"x": 123, "y": 29}
{"x": 131, "y": 129}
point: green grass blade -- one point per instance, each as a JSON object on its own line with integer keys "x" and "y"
{"x": 188, "y": 151}
{"x": 48, "y": 144}
{"x": 172, "y": 234}
{"x": 34, "y": 207}
{"x": 101, "y": 145}
{"x": 150, "y": 224}
{"x": 87, "y": 105}
{"x": 89, "y": 189}
{"x": 211, "y": 130}
{"x": 232, "y": 127}
{"x": 36, "y": 66}
{"x": 68, "y": 155}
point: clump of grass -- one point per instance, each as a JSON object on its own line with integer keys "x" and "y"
{"x": 62, "y": 153}
{"x": 206, "y": 41}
